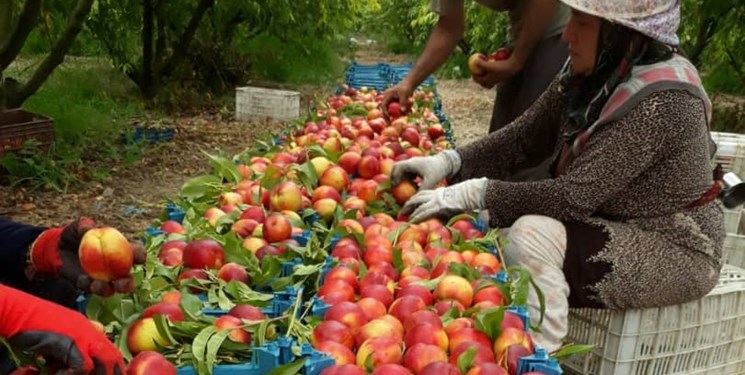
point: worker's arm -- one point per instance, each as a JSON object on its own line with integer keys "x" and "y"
{"x": 441, "y": 43}
{"x": 536, "y": 18}
{"x": 15, "y": 240}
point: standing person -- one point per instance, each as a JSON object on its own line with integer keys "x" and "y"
{"x": 630, "y": 217}
{"x": 537, "y": 54}
{"x": 38, "y": 263}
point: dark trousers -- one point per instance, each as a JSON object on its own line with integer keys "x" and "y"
{"x": 517, "y": 94}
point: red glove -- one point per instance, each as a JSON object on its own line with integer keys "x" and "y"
{"x": 55, "y": 254}
{"x": 63, "y": 337}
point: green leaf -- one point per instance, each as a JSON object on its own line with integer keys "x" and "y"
{"x": 223, "y": 301}
{"x": 243, "y": 294}
{"x": 190, "y": 305}
{"x": 305, "y": 270}
{"x": 161, "y": 323}
{"x": 541, "y": 302}
{"x": 200, "y": 187}
{"x": 260, "y": 336}
{"x": 199, "y": 347}
{"x": 465, "y": 361}
{"x": 398, "y": 261}
{"x": 290, "y": 368}
{"x": 281, "y": 283}
{"x": 213, "y": 346}
{"x": 465, "y": 271}
{"x": 489, "y": 321}
{"x": 225, "y": 168}
{"x": 572, "y": 349}
{"x": 430, "y": 284}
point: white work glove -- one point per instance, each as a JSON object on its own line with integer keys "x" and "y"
{"x": 432, "y": 169}
{"x": 446, "y": 202}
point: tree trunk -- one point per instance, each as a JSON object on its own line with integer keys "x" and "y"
{"x": 6, "y": 21}
{"x": 56, "y": 56}
{"x": 179, "y": 51}
{"x": 147, "y": 79}
{"x": 25, "y": 23}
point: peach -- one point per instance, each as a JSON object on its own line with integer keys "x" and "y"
{"x": 203, "y": 254}
{"x": 336, "y": 290}
{"x": 351, "y": 263}
{"x": 355, "y": 203}
{"x": 335, "y": 177}
{"x": 172, "y": 257}
{"x": 372, "y": 308}
{"x": 414, "y": 258}
{"x": 237, "y": 334}
{"x": 378, "y": 328}
{"x": 379, "y": 351}
{"x": 512, "y": 320}
{"x": 149, "y": 362}
{"x": 349, "y": 161}
{"x": 452, "y": 257}
{"x": 343, "y": 370}
{"x": 255, "y": 213}
{"x": 415, "y": 234}
{"x": 384, "y": 268}
{"x": 487, "y": 369}
{"x": 320, "y": 164}
{"x": 143, "y": 336}
{"x": 244, "y": 227}
{"x": 512, "y": 357}
{"x": 341, "y": 354}
{"x": 425, "y": 333}
{"x": 285, "y": 196}
{"x": 351, "y": 225}
{"x": 193, "y": 274}
{"x": 348, "y": 313}
{"x": 343, "y": 273}
{"x": 172, "y": 227}
{"x": 326, "y": 208}
{"x": 368, "y": 191}
{"x": 458, "y": 324}
{"x": 332, "y": 144}
{"x": 172, "y": 297}
{"x": 377, "y": 253}
{"x": 483, "y": 352}
{"x": 213, "y": 214}
{"x": 105, "y": 254}
{"x": 247, "y": 312}
{"x": 468, "y": 335}
{"x": 508, "y": 337}
{"x": 233, "y": 271}
{"x": 405, "y": 306}
{"x": 253, "y": 244}
{"x": 331, "y": 330}
{"x": 346, "y": 248}
{"x": 416, "y": 270}
{"x": 277, "y": 228}
{"x": 171, "y": 311}
{"x": 377, "y": 278}
{"x": 440, "y": 368}
{"x": 421, "y": 317}
{"x": 419, "y": 356}
{"x": 486, "y": 259}
{"x": 454, "y": 287}
{"x": 489, "y": 293}
{"x": 386, "y": 166}
{"x": 416, "y": 290}
{"x": 379, "y": 292}
{"x": 403, "y": 191}
{"x": 390, "y": 369}
{"x": 444, "y": 306}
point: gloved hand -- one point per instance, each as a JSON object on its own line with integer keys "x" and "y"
{"x": 402, "y": 93}
{"x": 65, "y": 338}
{"x": 55, "y": 254}
{"x": 446, "y": 202}
{"x": 431, "y": 169}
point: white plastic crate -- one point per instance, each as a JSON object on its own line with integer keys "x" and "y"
{"x": 258, "y": 102}
{"x": 732, "y": 220}
{"x": 706, "y": 336}
{"x": 730, "y": 151}
{"x": 733, "y": 250}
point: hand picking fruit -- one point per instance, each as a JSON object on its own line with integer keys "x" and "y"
{"x": 88, "y": 258}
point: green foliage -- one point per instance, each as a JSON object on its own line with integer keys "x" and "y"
{"x": 87, "y": 101}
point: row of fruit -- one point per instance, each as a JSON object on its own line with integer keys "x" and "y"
{"x": 298, "y": 241}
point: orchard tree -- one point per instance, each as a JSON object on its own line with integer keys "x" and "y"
{"x": 17, "y": 21}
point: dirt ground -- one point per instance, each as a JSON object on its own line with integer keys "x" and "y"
{"x": 134, "y": 195}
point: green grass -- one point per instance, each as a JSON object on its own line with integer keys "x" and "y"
{"x": 89, "y": 102}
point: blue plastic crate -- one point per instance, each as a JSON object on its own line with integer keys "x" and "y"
{"x": 154, "y": 232}
{"x": 315, "y": 361}
{"x": 334, "y": 240}
{"x": 263, "y": 360}
{"x": 540, "y": 361}
{"x": 303, "y": 238}
{"x": 82, "y": 303}
{"x": 287, "y": 267}
{"x": 175, "y": 213}
{"x": 150, "y": 135}
{"x": 318, "y": 307}
{"x": 522, "y": 312}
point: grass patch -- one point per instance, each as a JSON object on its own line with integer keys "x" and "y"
{"x": 90, "y": 103}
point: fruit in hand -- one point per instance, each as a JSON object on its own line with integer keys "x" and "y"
{"x": 105, "y": 254}
{"x": 472, "y": 67}
{"x": 500, "y": 54}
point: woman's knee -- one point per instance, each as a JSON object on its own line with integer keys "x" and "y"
{"x": 536, "y": 236}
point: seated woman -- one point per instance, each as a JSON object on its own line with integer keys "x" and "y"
{"x": 628, "y": 218}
